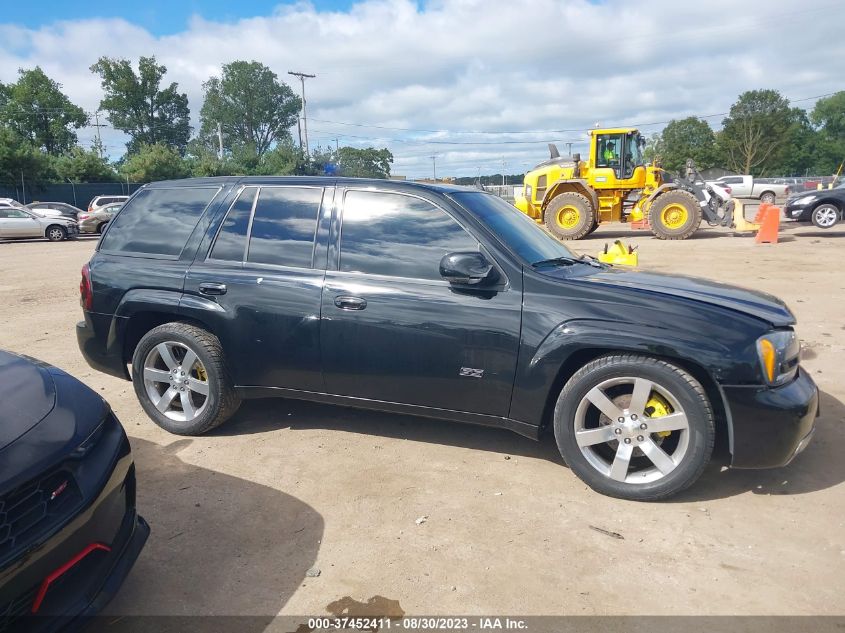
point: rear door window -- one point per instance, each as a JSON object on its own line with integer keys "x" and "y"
{"x": 230, "y": 244}
{"x": 158, "y": 222}
{"x": 284, "y": 225}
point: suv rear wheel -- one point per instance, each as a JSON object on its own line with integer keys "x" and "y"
{"x": 181, "y": 381}
{"x": 634, "y": 427}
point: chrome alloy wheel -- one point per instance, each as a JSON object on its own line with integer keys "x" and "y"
{"x": 176, "y": 381}
{"x": 632, "y": 430}
{"x": 826, "y": 217}
{"x": 56, "y": 234}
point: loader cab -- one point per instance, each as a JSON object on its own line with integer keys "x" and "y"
{"x": 618, "y": 158}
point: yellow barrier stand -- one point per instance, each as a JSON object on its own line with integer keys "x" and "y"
{"x": 739, "y": 222}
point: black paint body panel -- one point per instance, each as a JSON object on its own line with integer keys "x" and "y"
{"x": 490, "y": 356}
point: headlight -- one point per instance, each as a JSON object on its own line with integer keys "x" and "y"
{"x": 778, "y": 351}
{"x": 804, "y": 199}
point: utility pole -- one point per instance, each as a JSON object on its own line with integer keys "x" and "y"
{"x": 336, "y": 146}
{"x": 569, "y": 148}
{"x": 23, "y": 189}
{"x": 302, "y": 78}
{"x": 434, "y": 167}
{"x": 219, "y": 140}
{"x": 98, "y": 125}
{"x": 503, "y": 171}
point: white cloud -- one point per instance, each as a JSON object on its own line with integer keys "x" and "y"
{"x": 466, "y": 65}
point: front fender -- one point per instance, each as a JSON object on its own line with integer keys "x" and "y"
{"x": 567, "y": 347}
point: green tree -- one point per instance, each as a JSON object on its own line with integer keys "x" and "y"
{"x": 137, "y": 104}
{"x": 653, "y": 148}
{"x": 801, "y": 147}
{"x": 364, "y": 163}
{"x": 20, "y": 160}
{"x": 154, "y": 162}
{"x": 36, "y": 109}
{"x": 254, "y": 109}
{"x": 687, "y": 138}
{"x": 754, "y": 134}
{"x": 828, "y": 116}
{"x": 80, "y": 165}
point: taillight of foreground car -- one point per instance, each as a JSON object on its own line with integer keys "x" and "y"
{"x": 86, "y": 290}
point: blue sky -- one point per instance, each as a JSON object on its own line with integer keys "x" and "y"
{"x": 159, "y": 17}
{"x": 472, "y": 82}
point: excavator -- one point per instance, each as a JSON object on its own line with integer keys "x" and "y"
{"x": 571, "y": 196}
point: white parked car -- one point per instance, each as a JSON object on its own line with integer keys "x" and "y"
{"x": 19, "y": 222}
{"x": 101, "y": 201}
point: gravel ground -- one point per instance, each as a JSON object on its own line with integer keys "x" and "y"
{"x": 429, "y": 517}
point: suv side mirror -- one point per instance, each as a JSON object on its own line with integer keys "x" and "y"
{"x": 467, "y": 269}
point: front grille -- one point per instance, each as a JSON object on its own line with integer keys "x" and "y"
{"x": 14, "y": 611}
{"x": 32, "y": 509}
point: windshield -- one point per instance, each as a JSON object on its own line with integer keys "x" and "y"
{"x": 512, "y": 227}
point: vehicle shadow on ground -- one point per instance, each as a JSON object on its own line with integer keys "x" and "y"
{"x": 219, "y": 545}
{"x": 819, "y": 467}
{"x": 259, "y": 416}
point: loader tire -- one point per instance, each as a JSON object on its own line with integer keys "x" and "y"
{"x": 570, "y": 216}
{"x": 675, "y": 215}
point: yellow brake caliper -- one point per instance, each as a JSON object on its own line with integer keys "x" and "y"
{"x": 201, "y": 373}
{"x": 657, "y": 407}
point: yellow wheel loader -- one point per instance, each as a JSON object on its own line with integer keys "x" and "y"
{"x": 572, "y": 197}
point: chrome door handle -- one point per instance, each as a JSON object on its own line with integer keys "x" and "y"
{"x": 214, "y": 289}
{"x": 350, "y": 303}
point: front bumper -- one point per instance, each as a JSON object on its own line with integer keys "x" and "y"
{"x": 771, "y": 425}
{"x": 798, "y": 212}
{"x": 71, "y": 572}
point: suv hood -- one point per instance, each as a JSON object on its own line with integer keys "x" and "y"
{"x": 751, "y": 302}
{"x": 27, "y": 394}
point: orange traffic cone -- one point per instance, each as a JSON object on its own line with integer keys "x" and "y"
{"x": 769, "y": 219}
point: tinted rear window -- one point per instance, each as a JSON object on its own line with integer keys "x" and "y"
{"x": 284, "y": 225}
{"x": 158, "y": 221}
{"x": 230, "y": 244}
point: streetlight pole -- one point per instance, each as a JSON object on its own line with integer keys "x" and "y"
{"x": 302, "y": 78}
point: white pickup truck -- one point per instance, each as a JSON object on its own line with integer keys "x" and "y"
{"x": 749, "y": 187}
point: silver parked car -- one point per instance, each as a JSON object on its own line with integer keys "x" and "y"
{"x": 96, "y": 221}
{"x": 18, "y": 223}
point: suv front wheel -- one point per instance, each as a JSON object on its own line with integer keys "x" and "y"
{"x": 634, "y": 427}
{"x": 180, "y": 378}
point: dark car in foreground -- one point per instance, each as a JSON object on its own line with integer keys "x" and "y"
{"x": 437, "y": 301}
{"x": 824, "y": 208}
{"x": 69, "y": 531}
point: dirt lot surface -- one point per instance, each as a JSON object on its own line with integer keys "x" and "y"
{"x": 437, "y": 518}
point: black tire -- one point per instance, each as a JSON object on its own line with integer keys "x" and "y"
{"x": 55, "y": 233}
{"x": 697, "y": 439}
{"x": 825, "y": 216}
{"x": 580, "y": 207}
{"x": 768, "y": 197}
{"x": 594, "y": 227}
{"x": 101, "y": 227}
{"x": 674, "y": 199}
{"x": 221, "y": 402}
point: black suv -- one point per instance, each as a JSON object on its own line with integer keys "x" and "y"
{"x": 437, "y": 301}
